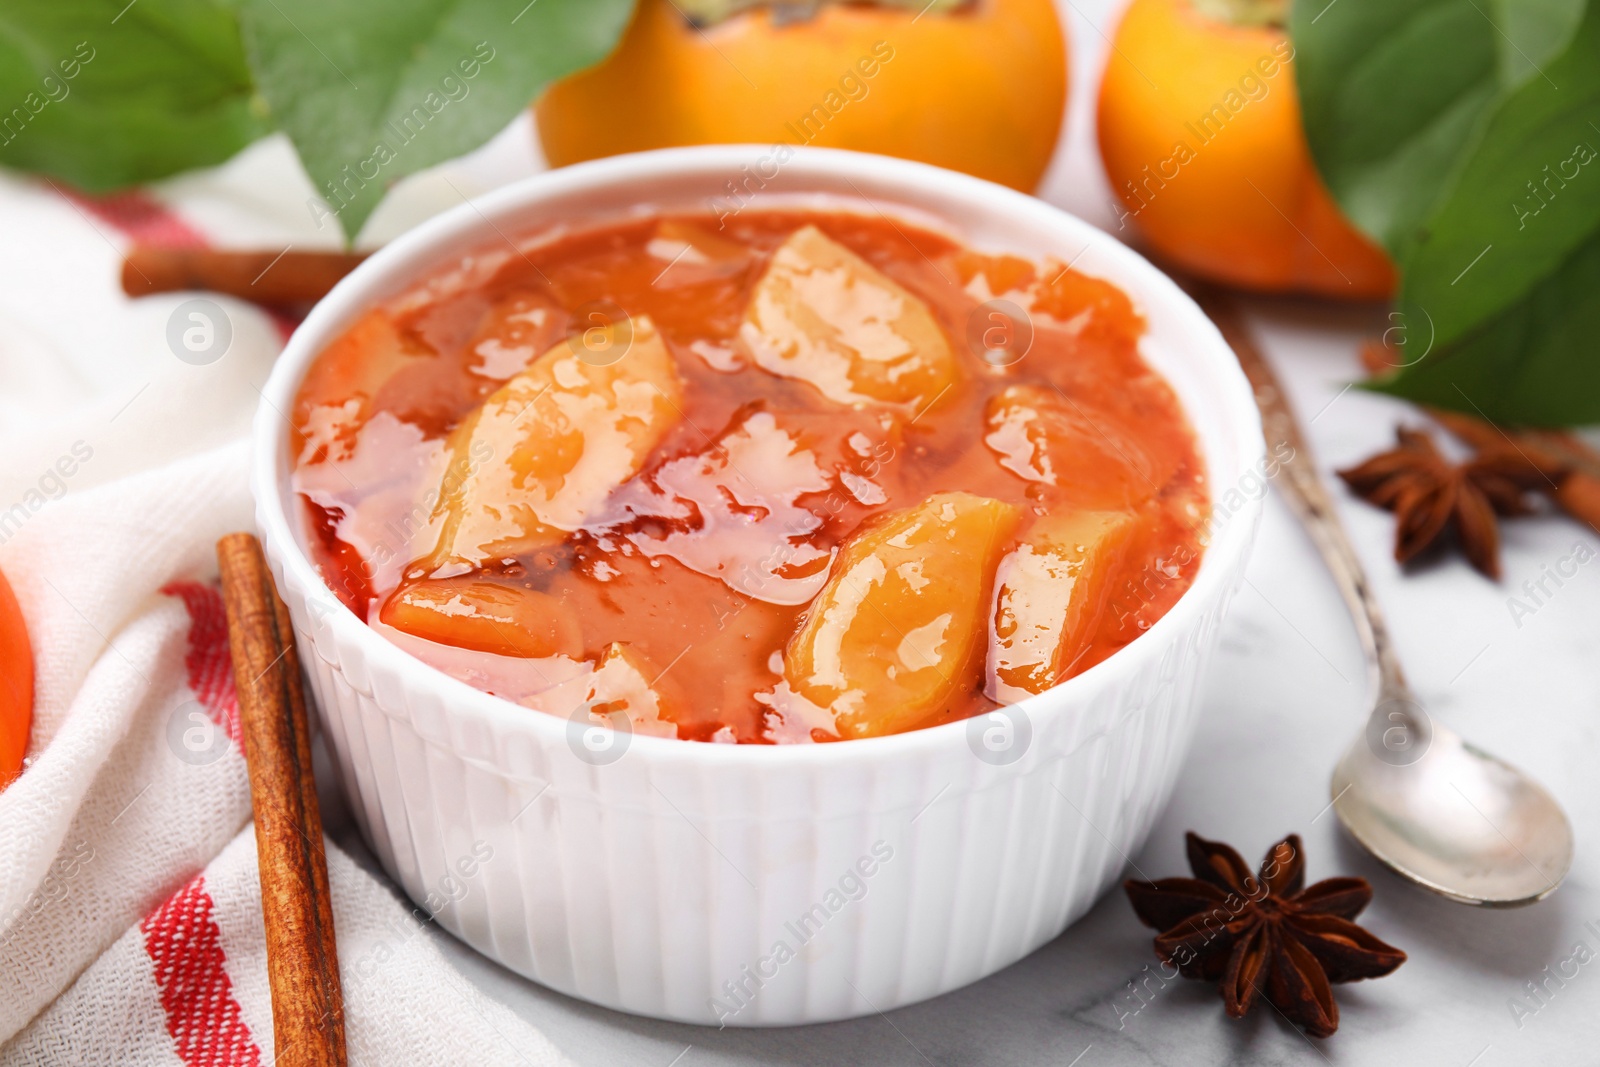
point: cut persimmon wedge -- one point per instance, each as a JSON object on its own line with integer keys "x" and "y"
{"x": 999, "y": 274}
{"x": 691, "y": 255}
{"x": 1053, "y": 589}
{"x": 488, "y": 616}
{"x": 1086, "y": 457}
{"x": 825, "y": 316}
{"x": 627, "y": 681}
{"x": 1089, "y": 305}
{"x": 515, "y": 331}
{"x": 890, "y": 638}
{"x": 551, "y": 444}
{"x": 337, "y": 396}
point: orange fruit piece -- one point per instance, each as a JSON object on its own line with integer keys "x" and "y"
{"x": 862, "y": 76}
{"x": 516, "y": 330}
{"x": 1200, "y": 133}
{"x": 692, "y": 255}
{"x": 551, "y": 444}
{"x": 1053, "y": 588}
{"x": 16, "y": 685}
{"x": 488, "y": 616}
{"x": 1082, "y": 456}
{"x": 826, "y": 316}
{"x": 891, "y": 637}
{"x": 336, "y": 398}
{"x": 1001, "y": 274}
{"x": 626, "y": 681}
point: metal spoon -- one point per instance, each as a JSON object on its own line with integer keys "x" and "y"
{"x": 1430, "y": 806}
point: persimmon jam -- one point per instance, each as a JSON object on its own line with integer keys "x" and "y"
{"x": 798, "y": 476}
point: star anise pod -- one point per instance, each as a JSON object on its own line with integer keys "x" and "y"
{"x": 1264, "y": 934}
{"x": 1430, "y": 495}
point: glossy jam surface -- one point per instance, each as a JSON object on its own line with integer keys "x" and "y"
{"x": 800, "y": 477}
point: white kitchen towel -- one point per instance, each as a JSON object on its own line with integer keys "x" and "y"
{"x": 130, "y": 920}
{"x": 187, "y": 986}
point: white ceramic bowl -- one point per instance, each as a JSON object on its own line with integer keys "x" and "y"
{"x": 751, "y": 885}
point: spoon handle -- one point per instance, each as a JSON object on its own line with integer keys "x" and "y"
{"x": 1303, "y": 490}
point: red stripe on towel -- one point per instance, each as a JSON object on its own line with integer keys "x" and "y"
{"x": 185, "y": 949}
{"x": 139, "y": 216}
{"x": 208, "y": 662}
{"x": 150, "y": 222}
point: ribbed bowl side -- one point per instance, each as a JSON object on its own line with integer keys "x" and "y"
{"x": 741, "y": 894}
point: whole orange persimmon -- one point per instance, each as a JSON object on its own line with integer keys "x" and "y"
{"x": 16, "y": 685}
{"x": 1201, "y": 138}
{"x": 978, "y": 86}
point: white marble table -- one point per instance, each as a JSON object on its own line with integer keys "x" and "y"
{"x": 1283, "y": 699}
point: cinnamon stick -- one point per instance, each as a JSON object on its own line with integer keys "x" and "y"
{"x": 277, "y": 278}
{"x": 1576, "y": 486}
{"x": 1550, "y": 448}
{"x": 302, "y": 961}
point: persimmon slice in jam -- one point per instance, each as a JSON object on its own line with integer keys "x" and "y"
{"x": 826, "y": 316}
{"x": 1050, "y": 592}
{"x": 623, "y": 684}
{"x": 627, "y": 682}
{"x": 890, "y": 638}
{"x": 340, "y": 390}
{"x": 547, "y": 448}
{"x": 1042, "y": 435}
{"x": 747, "y": 479}
{"x": 484, "y": 615}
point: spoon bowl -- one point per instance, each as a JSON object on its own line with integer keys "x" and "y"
{"x": 1454, "y": 819}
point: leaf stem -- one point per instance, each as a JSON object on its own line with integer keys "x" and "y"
{"x": 1266, "y": 13}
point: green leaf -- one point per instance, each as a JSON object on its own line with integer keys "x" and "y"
{"x": 1524, "y": 198}
{"x": 1390, "y": 92}
{"x": 103, "y": 93}
{"x": 1394, "y": 91}
{"x": 369, "y": 94}
{"x": 1532, "y": 365}
{"x": 1429, "y": 119}
{"x": 1531, "y": 32}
